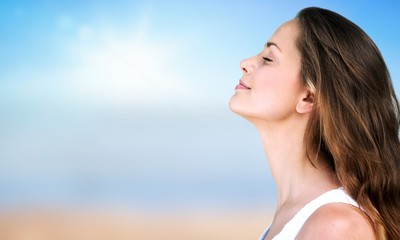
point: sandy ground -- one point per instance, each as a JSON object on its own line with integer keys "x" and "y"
{"x": 103, "y": 225}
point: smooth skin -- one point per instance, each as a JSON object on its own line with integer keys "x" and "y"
{"x": 279, "y": 105}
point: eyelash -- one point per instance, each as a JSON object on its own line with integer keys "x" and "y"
{"x": 267, "y": 60}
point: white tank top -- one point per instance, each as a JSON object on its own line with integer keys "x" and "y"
{"x": 292, "y": 228}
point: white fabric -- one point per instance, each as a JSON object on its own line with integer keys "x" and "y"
{"x": 292, "y": 228}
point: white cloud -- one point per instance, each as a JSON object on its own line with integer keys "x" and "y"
{"x": 129, "y": 69}
{"x": 107, "y": 65}
{"x": 85, "y": 32}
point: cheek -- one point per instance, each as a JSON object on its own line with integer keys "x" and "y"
{"x": 273, "y": 96}
{"x": 277, "y": 96}
{"x": 271, "y": 86}
{"x": 280, "y": 81}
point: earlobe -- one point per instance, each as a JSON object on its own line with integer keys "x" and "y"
{"x": 306, "y": 104}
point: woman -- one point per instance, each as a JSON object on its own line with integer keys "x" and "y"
{"x": 321, "y": 97}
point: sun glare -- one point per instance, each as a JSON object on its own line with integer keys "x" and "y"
{"x": 131, "y": 69}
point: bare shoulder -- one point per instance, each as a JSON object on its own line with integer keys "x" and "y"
{"x": 337, "y": 221}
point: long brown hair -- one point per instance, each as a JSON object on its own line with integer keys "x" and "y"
{"x": 355, "y": 123}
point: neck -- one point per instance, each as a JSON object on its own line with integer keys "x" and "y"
{"x": 298, "y": 181}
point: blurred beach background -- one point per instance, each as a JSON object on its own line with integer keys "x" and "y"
{"x": 114, "y": 118}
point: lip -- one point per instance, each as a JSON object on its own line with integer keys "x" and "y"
{"x": 242, "y": 85}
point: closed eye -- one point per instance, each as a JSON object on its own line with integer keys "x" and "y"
{"x": 267, "y": 60}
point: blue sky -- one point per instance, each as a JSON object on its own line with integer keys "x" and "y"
{"x": 126, "y": 101}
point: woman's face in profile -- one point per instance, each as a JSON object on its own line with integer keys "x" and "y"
{"x": 270, "y": 86}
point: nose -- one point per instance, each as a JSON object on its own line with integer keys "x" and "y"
{"x": 246, "y": 66}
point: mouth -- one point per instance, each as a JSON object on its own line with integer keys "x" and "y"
{"x": 242, "y": 85}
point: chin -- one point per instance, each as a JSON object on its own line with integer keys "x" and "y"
{"x": 233, "y": 105}
{"x": 236, "y": 107}
{"x": 241, "y": 108}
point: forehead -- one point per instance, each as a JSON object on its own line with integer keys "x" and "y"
{"x": 286, "y": 35}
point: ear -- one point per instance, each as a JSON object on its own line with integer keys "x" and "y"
{"x": 306, "y": 103}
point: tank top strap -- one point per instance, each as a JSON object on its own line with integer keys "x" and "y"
{"x": 292, "y": 228}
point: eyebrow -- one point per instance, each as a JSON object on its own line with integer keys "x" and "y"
{"x": 269, "y": 44}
